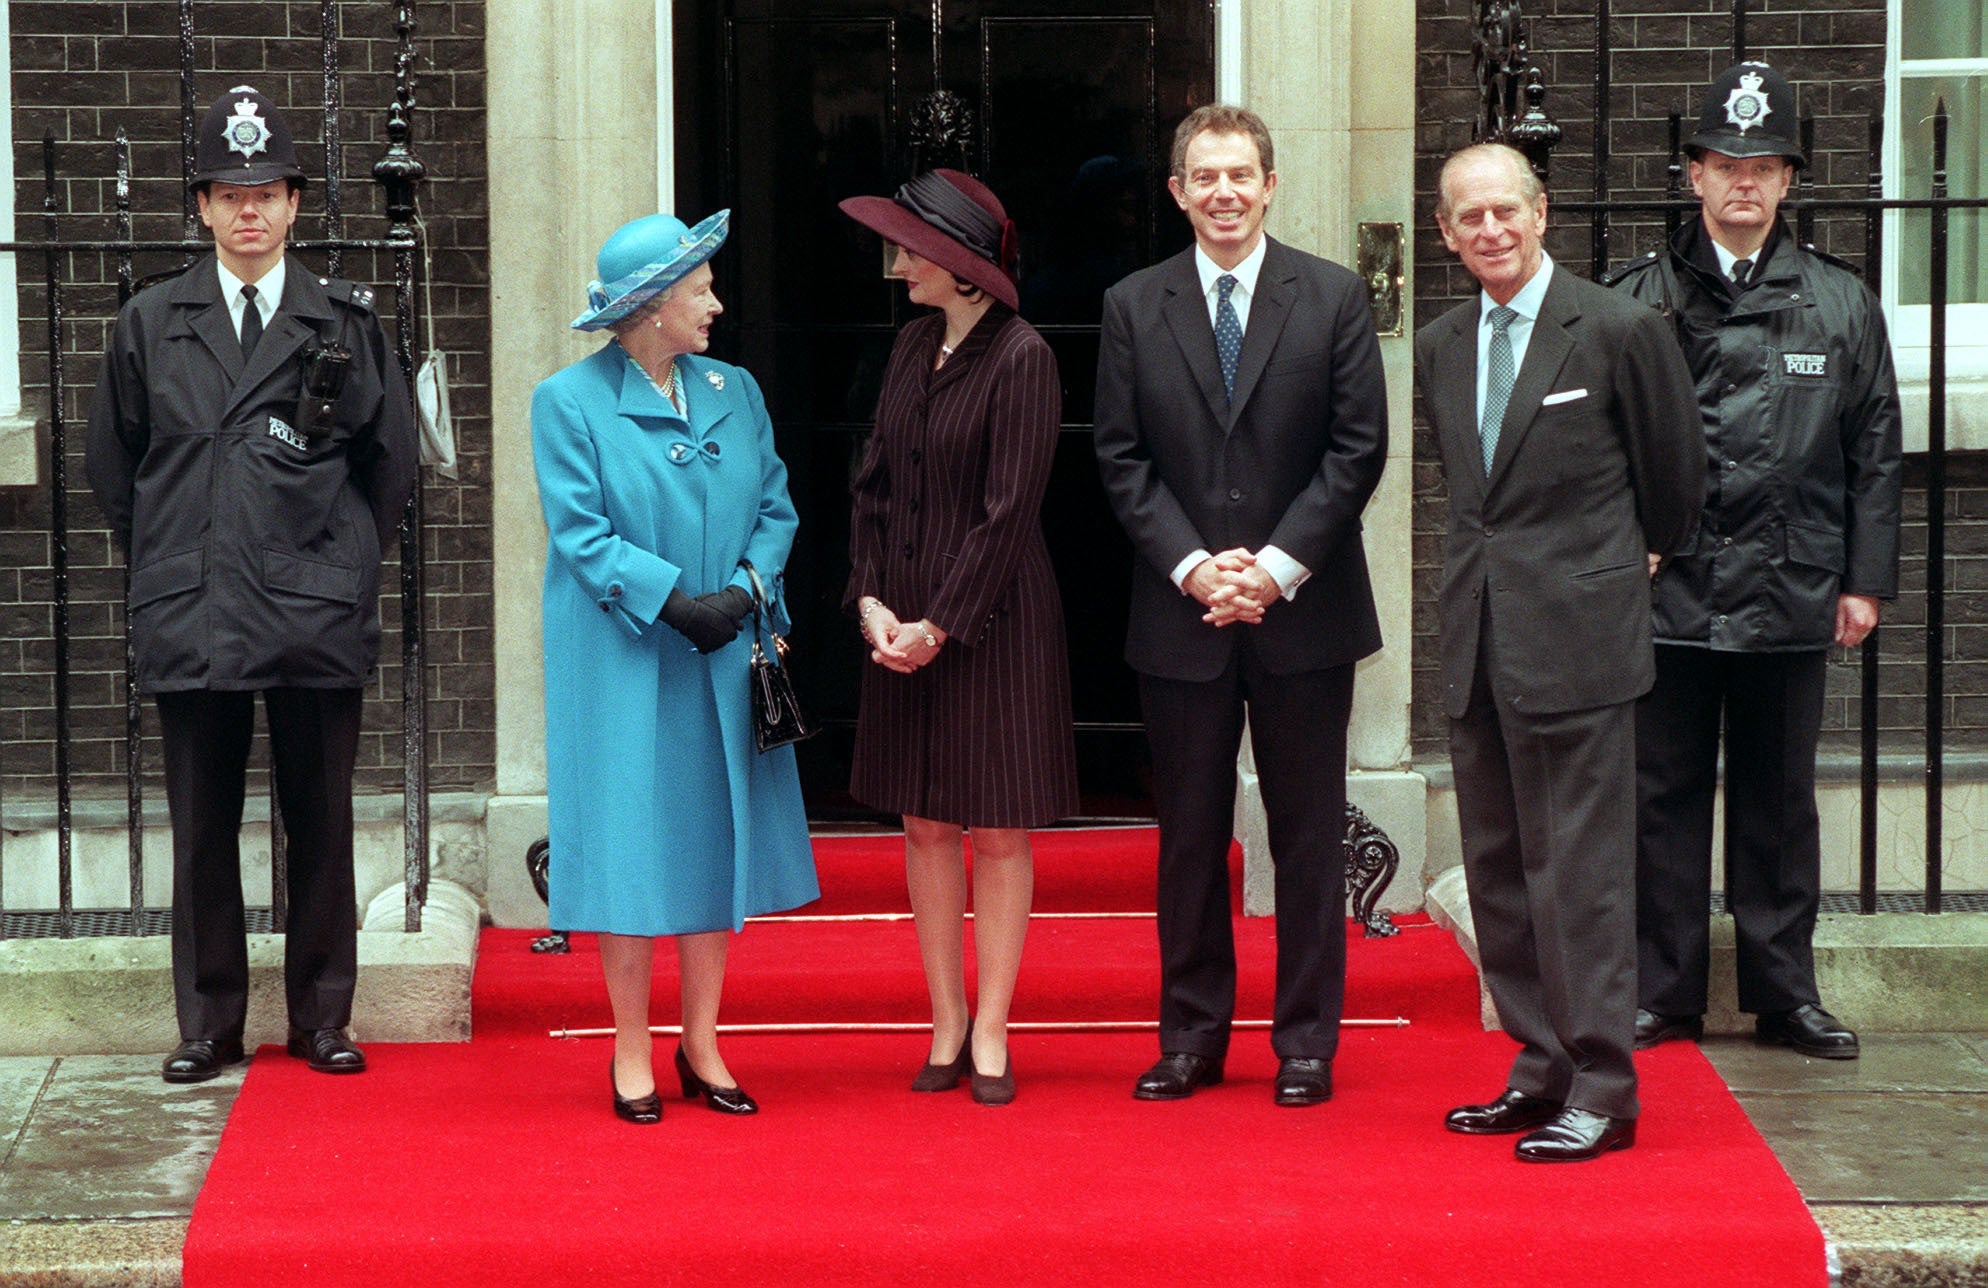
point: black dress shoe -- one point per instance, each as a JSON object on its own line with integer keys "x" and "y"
{"x": 1511, "y": 1111}
{"x": 1810, "y": 1030}
{"x": 726, "y": 1100}
{"x": 1575, "y": 1136}
{"x": 1176, "y": 1076}
{"x": 1652, "y": 1028}
{"x": 643, "y": 1109}
{"x": 327, "y": 1050}
{"x": 199, "y": 1059}
{"x": 1303, "y": 1082}
{"x": 944, "y": 1077}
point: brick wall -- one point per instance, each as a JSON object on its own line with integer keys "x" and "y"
{"x": 1665, "y": 54}
{"x": 81, "y": 70}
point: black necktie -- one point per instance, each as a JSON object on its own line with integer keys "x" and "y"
{"x": 1741, "y": 267}
{"x": 251, "y": 322}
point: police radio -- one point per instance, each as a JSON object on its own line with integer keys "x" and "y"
{"x": 325, "y": 370}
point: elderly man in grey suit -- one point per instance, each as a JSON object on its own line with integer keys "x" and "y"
{"x": 1569, "y": 437}
{"x": 1241, "y": 427}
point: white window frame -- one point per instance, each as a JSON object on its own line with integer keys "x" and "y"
{"x": 1911, "y": 324}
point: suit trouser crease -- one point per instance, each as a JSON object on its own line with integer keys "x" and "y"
{"x": 1297, "y": 726}
{"x": 314, "y": 738}
{"x": 1549, "y": 842}
{"x": 1770, "y": 706}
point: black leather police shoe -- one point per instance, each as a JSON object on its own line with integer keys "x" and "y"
{"x": 200, "y": 1059}
{"x": 1810, "y": 1030}
{"x": 1652, "y": 1028}
{"x": 327, "y": 1050}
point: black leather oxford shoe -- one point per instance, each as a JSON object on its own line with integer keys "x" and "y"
{"x": 200, "y": 1059}
{"x": 1511, "y": 1111}
{"x": 1176, "y": 1076}
{"x": 1810, "y": 1030}
{"x": 1652, "y": 1028}
{"x": 327, "y": 1050}
{"x": 1575, "y": 1136}
{"x": 1303, "y": 1082}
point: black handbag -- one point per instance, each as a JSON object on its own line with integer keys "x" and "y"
{"x": 777, "y": 718}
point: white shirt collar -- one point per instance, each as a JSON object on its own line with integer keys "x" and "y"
{"x": 1527, "y": 302}
{"x": 268, "y": 291}
{"x": 1245, "y": 272}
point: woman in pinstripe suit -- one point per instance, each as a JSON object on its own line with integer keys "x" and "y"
{"x": 965, "y": 716}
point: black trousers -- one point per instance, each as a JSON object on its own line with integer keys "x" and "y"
{"x": 313, "y": 740}
{"x": 1297, "y": 726}
{"x": 1770, "y": 706}
{"x": 1545, "y": 804}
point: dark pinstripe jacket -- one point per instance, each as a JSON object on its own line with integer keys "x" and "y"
{"x": 947, "y": 526}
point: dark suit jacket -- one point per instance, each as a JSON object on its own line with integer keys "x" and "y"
{"x": 1290, "y": 464}
{"x": 1600, "y": 459}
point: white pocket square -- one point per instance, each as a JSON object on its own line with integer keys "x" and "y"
{"x": 1565, "y": 395}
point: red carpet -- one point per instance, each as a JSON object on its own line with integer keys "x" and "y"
{"x": 497, "y": 1161}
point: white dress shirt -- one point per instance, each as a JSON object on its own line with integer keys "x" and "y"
{"x": 1526, "y": 304}
{"x": 268, "y": 294}
{"x": 1287, "y": 572}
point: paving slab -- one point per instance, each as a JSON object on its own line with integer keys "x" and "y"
{"x": 1902, "y": 1147}
{"x": 1890, "y": 1062}
{"x": 109, "y": 1140}
{"x": 21, "y": 1079}
{"x": 1909, "y": 1245}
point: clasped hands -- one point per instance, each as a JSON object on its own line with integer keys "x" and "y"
{"x": 710, "y": 621}
{"x": 1232, "y": 588}
{"x": 898, "y": 646}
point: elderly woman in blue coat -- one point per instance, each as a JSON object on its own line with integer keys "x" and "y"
{"x": 659, "y": 482}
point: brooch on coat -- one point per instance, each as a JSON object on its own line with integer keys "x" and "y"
{"x": 717, "y": 379}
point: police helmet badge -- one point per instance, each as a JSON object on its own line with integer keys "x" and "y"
{"x": 1747, "y": 105}
{"x": 245, "y": 131}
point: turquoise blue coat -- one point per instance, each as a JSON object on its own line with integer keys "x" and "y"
{"x": 665, "y": 819}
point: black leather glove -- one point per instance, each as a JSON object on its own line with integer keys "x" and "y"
{"x": 699, "y": 621}
{"x": 734, "y": 602}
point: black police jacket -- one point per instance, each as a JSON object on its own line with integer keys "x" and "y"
{"x": 1802, "y": 476}
{"x": 254, "y": 551}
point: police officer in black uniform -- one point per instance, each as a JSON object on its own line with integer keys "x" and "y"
{"x": 1798, "y": 544}
{"x": 252, "y": 443}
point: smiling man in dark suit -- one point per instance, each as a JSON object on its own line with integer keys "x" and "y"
{"x": 1241, "y": 427}
{"x": 1570, "y": 441}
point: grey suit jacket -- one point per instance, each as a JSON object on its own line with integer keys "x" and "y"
{"x": 1600, "y": 458}
{"x": 1290, "y": 463}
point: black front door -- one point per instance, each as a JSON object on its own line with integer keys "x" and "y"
{"x": 785, "y": 107}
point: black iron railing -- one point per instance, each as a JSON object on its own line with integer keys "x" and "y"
{"x": 1506, "y": 75}
{"x": 397, "y": 172}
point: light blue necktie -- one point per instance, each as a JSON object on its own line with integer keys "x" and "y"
{"x": 1228, "y": 333}
{"x": 1498, "y": 380}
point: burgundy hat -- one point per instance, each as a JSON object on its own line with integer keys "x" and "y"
{"x": 953, "y": 220}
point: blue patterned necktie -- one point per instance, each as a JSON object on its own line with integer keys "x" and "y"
{"x": 1498, "y": 380}
{"x": 1228, "y": 333}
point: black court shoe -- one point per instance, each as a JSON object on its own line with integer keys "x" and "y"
{"x": 643, "y": 1109}
{"x": 726, "y": 1100}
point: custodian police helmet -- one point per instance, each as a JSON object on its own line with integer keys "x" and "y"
{"x": 243, "y": 141}
{"x": 1750, "y": 112}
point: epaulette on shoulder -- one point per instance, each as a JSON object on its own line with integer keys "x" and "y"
{"x": 1622, "y": 272}
{"x": 154, "y": 279}
{"x": 1828, "y": 258}
{"x": 358, "y": 296}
